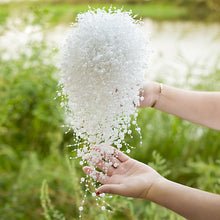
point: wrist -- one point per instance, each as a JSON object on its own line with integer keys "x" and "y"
{"x": 155, "y": 189}
{"x": 157, "y": 90}
{"x": 151, "y": 92}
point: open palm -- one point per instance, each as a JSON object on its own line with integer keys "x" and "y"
{"x": 123, "y": 175}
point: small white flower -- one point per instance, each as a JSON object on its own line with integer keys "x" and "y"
{"x": 138, "y": 130}
{"x": 80, "y": 208}
{"x": 115, "y": 165}
{"x": 102, "y": 194}
{"x": 103, "y": 208}
{"x": 119, "y": 146}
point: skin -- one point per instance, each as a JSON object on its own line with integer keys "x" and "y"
{"x": 202, "y": 108}
{"x": 131, "y": 178}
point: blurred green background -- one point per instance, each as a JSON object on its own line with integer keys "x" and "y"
{"x": 64, "y": 10}
{"x": 38, "y": 180}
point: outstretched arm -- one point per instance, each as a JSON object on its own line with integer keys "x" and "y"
{"x": 198, "y": 107}
{"x": 134, "y": 179}
{"x": 188, "y": 202}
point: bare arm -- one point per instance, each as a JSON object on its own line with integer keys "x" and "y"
{"x": 188, "y": 202}
{"x": 134, "y": 179}
{"x": 198, "y": 107}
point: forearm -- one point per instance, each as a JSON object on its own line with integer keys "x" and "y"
{"x": 198, "y": 107}
{"x": 188, "y": 202}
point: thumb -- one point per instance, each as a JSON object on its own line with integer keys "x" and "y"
{"x": 111, "y": 189}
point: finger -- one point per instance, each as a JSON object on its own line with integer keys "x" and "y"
{"x": 118, "y": 189}
{"x": 120, "y": 156}
{"x": 115, "y": 162}
{"x": 98, "y": 176}
{"x": 108, "y": 152}
{"x": 108, "y": 167}
{"x": 102, "y": 165}
{"x": 105, "y": 167}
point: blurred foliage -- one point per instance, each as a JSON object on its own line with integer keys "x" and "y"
{"x": 65, "y": 11}
{"x": 33, "y": 165}
{"x": 202, "y": 8}
{"x": 4, "y": 13}
{"x": 199, "y": 9}
{"x": 30, "y": 117}
{"x": 37, "y": 179}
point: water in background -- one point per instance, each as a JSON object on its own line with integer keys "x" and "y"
{"x": 181, "y": 50}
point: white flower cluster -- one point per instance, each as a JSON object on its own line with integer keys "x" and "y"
{"x": 103, "y": 65}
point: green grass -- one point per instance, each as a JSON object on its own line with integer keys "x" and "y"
{"x": 65, "y": 13}
{"x": 56, "y": 11}
{"x": 159, "y": 11}
{"x": 155, "y": 11}
{"x": 4, "y": 13}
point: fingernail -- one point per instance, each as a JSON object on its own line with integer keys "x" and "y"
{"x": 97, "y": 193}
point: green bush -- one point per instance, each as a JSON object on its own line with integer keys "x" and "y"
{"x": 30, "y": 117}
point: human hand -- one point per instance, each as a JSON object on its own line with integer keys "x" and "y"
{"x": 151, "y": 94}
{"x": 125, "y": 177}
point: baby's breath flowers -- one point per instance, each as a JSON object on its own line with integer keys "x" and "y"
{"x": 104, "y": 61}
{"x": 102, "y": 71}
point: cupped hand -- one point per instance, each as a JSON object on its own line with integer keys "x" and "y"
{"x": 123, "y": 175}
